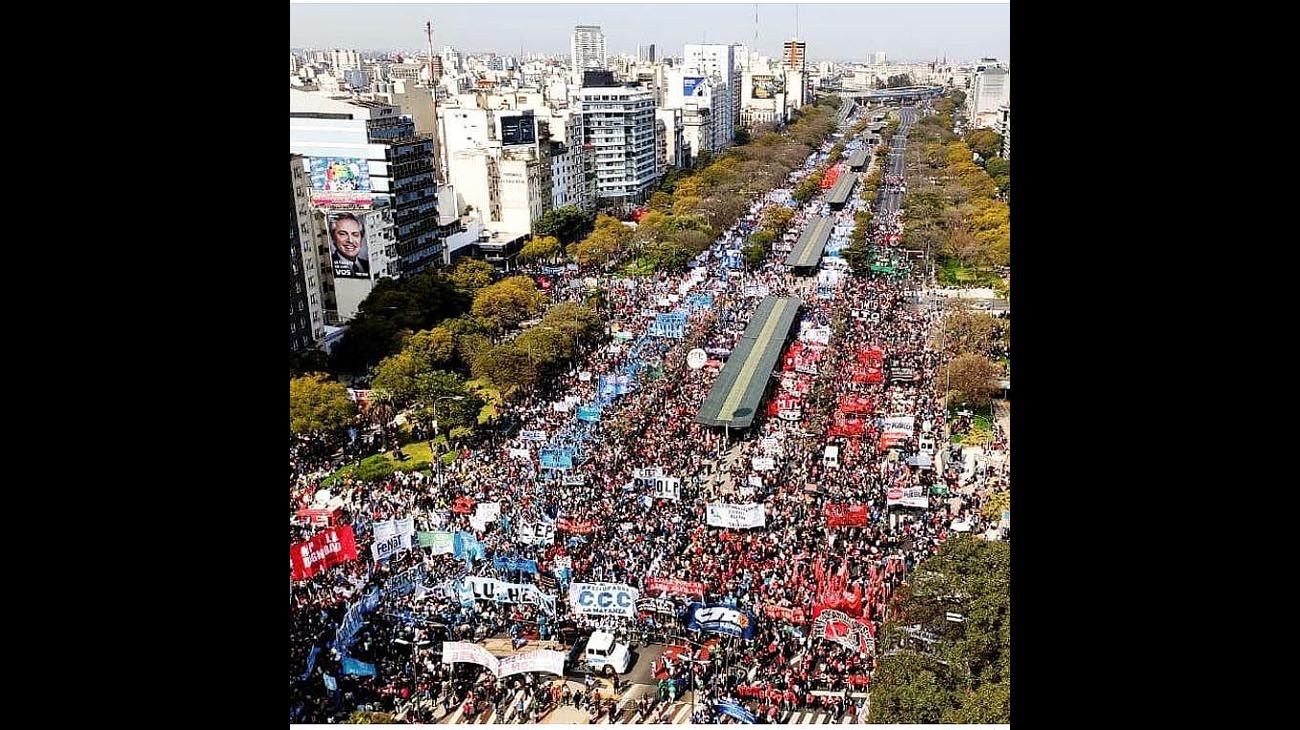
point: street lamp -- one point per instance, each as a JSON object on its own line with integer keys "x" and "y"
{"x": 691, "y": 661}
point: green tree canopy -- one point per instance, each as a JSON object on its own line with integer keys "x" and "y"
{"x": 973, "y": 379}
{"x": 319, "y": 406}
{"x": 508, "y": 302}
{"x": 984, "y": 142}
{"x": 568, "y": 224}
{"x": 505, "y": 367}
{"x": 471, "y": 275}
{"x": 540, "y": 248}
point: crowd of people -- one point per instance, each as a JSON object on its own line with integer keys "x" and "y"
{"x": 607, "y": 525}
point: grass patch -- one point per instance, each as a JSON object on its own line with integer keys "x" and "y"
{"x": 641, "y": 266}
{"x": 492, "y": 399}
{"x": 952, "y": 273}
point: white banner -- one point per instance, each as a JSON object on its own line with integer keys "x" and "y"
{"x": 603, "y": 599}
{"x": 576, "y": 480}
{"x": 770, "y": 445}
{"x": 899, "y": 424}
{"x": 541, "y": 533}
{"x": 538, "y": 660}
{"x": 489, "y": 510}
{"x": 532, "y": 435}
{"x": 736, "y": 515}
{"x": 386, "y": 529}
{"x": 491, "y": 589}
{"x": 521, "y": 454}
{"x": 907, "y": 497}
{"x": 668, "y": 488}
{"x": 463, "y": 651}
{"x": 819, "y": 335}
{"x": 763, "y": 463}
{"x": 389, "y": 547}
{"x": 755, "y": 480}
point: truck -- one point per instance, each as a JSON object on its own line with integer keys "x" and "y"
{"x": 605, "y": 656}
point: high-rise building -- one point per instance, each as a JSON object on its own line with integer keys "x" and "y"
{"x": 646, "y": 53}
{"x": 795, "y": 54}
{"x": 342, "y": 60}
{"x": 703, "y": 102}
{"x": 380, "y": 162}
{"x": 618, "y": 124}
{"x": 452, "y": 58}
{"x": 719, "y": 60}
{"x": 876, "y": 58}
{"x": 1003, "y": 127}
{"x": 990, "y": 89}
{"x": 306, "y": 311}
{"x": 587, "y": 50}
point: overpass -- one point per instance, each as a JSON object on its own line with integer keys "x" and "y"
{"x": 901, "y": 94}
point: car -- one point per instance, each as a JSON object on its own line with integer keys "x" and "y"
{"x": 605, "y": 656}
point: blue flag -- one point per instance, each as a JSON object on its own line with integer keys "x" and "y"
{"x": 727, "y": 707}
{"x": 311, "y": 661}
{"x": 359, "y": 668}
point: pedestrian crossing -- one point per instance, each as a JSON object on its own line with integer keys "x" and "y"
{"x": 816, "y": 717}
{"x": 677, "y": 713}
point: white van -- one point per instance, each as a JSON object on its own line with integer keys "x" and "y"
{"x": 605, "y": 656}
{"x": 831, "y": 459}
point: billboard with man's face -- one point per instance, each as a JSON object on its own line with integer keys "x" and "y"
{"x": 348, "y": 250}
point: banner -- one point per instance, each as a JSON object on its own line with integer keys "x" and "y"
{"x": 898, "y": 424}
{"x": 359, "y": 668}
{"x": 790, "y": 615}
{"x": 386, "y": 529}
{"x": 467, "y": 545}
{"x": 762, "y": 463}
{"x": 591, "y": 413}
{"x": 720, "y": 620}
{"x": 661, "y": 606}
{"x": 735, "y": 516}
{"x": 574, "y": 480}
{"x": 907, "y": 497}
{"x": 556, "y": 459}
{"x": 311, "y": 661}
{"x": 317, "y": 517}
{"x": 521, "y": 454}
{"x": 404, "y": 582}
{"x": 539, "y": 533}
{"x": 330, "y": 683}
{"x": 440, "y": 540}
{"x": 538, "y": 660}
{"x": 463, "y": 505}
{"x": 532, "y": 435}
{"x": 491, "y": 589}
{"x": 322, "y": 550}
{"x": 577, "y": 527}
{"x": 454, "y": 652}
{"x": 846, "y": 515}
{"x": 390, "y": 547}
{"x": 488, "y": 511}
{"x": 603, "y": 599}
{"x": 513, "y": 563}
{"x": 733, "y": 709}
{"x": 673, "y": 585}
{"x": 842, "y": 629}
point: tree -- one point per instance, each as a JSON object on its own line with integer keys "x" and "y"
{"x": 988, "y": 704}
{"x": 973, "y": 380}
{"x": 471, "y": 275}
{"x": 969, "y": 332}
{"x": 396, "y": 376}
{"x": 443, "y": 397}
{"x": 661, "y": 201}
{"x": 319, "y": 406}
{"x": 508, "y": 302}
{"x": 984, "y": 142}
{"x": 568, "y": 224}
{"x": 858, "y": 256}
{"x": 310, "y": 360}
{"x": 540, "y": 247}
{"x": 368, "y": 339}
{"x": 777, "y": 218}
{"x": 433, "y": 347}
{"x": 505, "y": 367}
{"x": 997, "y": 167}
{"x": 742, "y": 136}
{"x": 906, "y": 690}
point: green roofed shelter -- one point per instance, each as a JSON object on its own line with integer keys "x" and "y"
{"x": 808, "y": 251}
{"x": 736, "y": 394}
{"x": 839, "y": 195}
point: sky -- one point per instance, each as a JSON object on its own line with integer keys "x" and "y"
{"x": 844, "y": 32}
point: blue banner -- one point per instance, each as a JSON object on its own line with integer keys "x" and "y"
{"x": 720, "y": 620}
{"x": 513, "y": 563}
{"x": 359, "y": 668}
{"x": 466, "y": 546}
{"x": 700, "y": 302}
{"x": 556, "y": 458}
{"x": 591, "y": 413}
{"x": 727, "y": 707}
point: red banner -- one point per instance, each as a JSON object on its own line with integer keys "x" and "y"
{"x": 318, "y": 517}
{"x": 463, "y": 505}
{"x": 322, "y": 550}
{"x": 850, "y": 427}
{"x": 673, "y": 585}
{"x": 846, "y": 515}
{"x": 856, "y": 404}
{"x": 577, "y": 527}
{"x": 790, "y": 615}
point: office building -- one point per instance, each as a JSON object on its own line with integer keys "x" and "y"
{"x": 618, "y": 124}
{"x": 876, "y": 58}
{"x": 341, "y": 60}
{"x": 795, "y": 54}
{"x": 646, "y": 53}
{"x": 306, "y": 308}
{"x": 587, "y": 50}
{"x": 1003, "y": 127}
{"x": 990, "y": 89}
{"x": 718, "y": 61}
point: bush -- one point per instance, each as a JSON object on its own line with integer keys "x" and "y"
{"x": 374, "y": 469}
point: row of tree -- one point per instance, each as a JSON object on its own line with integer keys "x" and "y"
{"x": 946, "y": 648}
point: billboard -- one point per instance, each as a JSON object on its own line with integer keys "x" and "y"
{"x": 348, "y": 252}
{"x": 518, "y": 129}
{"x": 340, "y": 175}
{"x": 763, "y": 87}
{"x": 692, "y": 86}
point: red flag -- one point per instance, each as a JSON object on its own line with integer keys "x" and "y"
{"x": 322, "y": 550}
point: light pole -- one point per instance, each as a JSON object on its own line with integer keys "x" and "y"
{"x": 438, "y": 458}
{"x": 691, "y": 661}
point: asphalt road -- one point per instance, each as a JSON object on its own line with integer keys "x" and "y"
{"x": 641, "y": 672}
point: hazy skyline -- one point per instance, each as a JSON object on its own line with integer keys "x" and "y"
{"x": 832, "y": 32}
